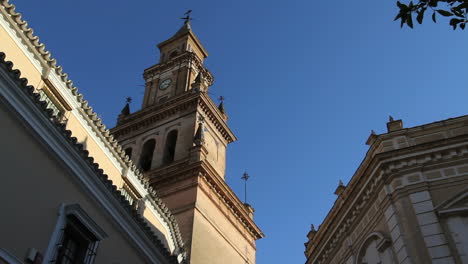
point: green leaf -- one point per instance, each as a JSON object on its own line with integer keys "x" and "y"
{"x": 454, "y": 22}
{"x": 403, "y": 20}
{"x": 400, "y": 5}
{"x": 462, "y": 5}
{"x": 409, "y": 21}
{"x": 420, "y": 16}
{"x": 458, "y": 13}
{"x": 398, "y": 16}
{"x": 444, "y": 13}
{"x": 434, "y": 17}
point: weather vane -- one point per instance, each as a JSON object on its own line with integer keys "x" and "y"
{"x": 245, "y": 177}
{"x": 187, "y": 17}
{"x": 128, "y": 99}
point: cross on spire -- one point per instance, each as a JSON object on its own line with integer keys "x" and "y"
{"x": 221, "y": 98}
{"x": 245, "y": 177}
{"x": 187, "y": 17}
{"x": 128, "y": 99}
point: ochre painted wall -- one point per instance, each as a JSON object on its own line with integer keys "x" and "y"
{"x": 35, "y": 183}
{"x": 215, "y": 238}
{"x": 21, "y": 61}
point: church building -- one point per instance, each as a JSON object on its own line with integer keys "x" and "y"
{"x": 178, "y": 139}
{"x": 406, "y": 203}
{"x": 72, "y": 194}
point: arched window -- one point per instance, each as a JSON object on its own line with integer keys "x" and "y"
{"x": 147, "y": 154}
{"x": 169, "y": 150}
{"x": 375, "y": 250}
{"x": 128, "y": 152}
{"x": 173, "y": 54}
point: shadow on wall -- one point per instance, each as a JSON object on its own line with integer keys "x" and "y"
{"x": 157, "y": 232}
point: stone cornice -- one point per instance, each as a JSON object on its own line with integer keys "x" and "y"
{"x": 186, "y": 57}
{"x": 374, "y": 172}
{"x": 84, "y": 157}
{"x": 150, "y": 115}
{"x": 183, "y": 169}
{"x": 186, "y": 101}
{"x": 212, "y": 112}
{"x": 231, "y": 200}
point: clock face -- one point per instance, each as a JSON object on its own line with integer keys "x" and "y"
{"x": 164, "y": 84}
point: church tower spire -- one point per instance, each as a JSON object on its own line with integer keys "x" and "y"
{"x": 179, "y": 140}
{"x": 180, "y": 61}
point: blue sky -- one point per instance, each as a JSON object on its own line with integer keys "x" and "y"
{"x": 304, "y": 83}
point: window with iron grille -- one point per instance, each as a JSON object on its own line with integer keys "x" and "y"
{"x": 78, "y": 244}
{"x": 75, "y": 238}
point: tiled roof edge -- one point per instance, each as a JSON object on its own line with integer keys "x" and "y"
{"x": 88, "y": 110}
{"x": 67, "y": 134}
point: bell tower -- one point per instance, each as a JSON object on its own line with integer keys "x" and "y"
{"x": 179, "y": 140}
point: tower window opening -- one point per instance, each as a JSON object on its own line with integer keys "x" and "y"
{"x": 146, "y": 157}
{"x": 169, "y": 151}
{"x": 128, "y": 152}
{"x": 173, "y": 54}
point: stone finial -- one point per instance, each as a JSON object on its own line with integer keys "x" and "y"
{"x": 125, "y": 110}
{"x": 221, "y": 108}
{"x": 394, "y": 125}
{"x": 250, "y": 210}
{"x": 372, "y": 137}
{"x": 199, "y": 83}
{"x": 221, "y": 105}
{"x": 312, "y": 232}
{"x": 199, "y": 78}
{"x": 199, "y": 138}
{"x": 340, "y": 189}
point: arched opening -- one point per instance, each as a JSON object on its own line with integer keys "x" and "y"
{"x": 128, "y": 152}
{"x": 375, "y": 250}
{"x": 147, "y": 154}
{"x": 169, "y": 150}
{"x": 173, "y": 54}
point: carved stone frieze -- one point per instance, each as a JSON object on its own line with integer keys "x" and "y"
{"x": 383, "y": 168}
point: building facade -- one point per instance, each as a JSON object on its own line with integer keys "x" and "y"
{"x": 406, "y": 203}
{"x": 69, "y": 193}
{"x": 179, "y": 139}
{"x": 76, "y": 196}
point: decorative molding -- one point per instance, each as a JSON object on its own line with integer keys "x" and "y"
{"x": 183, "y": 170}
{"x": 379, "y": 170}
{"x": 60, "y": 80}
{"x": 187, "y": 101}
{"x": 8, "y": 258}
{"x": 35, "y": 114}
